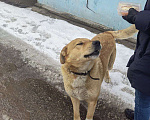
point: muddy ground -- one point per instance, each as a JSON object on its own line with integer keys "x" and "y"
{"x": 20, "y": 3}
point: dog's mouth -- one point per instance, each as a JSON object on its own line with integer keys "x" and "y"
{"x": 95, "y": 53}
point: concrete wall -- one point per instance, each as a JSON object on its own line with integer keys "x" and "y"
{"x": 99, "y": 11}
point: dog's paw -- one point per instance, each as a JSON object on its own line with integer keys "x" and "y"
{"x": 107, "y": 80}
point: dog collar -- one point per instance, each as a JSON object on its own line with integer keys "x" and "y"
{"x": 84, "y": 74}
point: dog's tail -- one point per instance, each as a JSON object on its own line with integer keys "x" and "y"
{"x": 125, "y": 33}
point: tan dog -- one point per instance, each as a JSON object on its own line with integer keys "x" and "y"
{"x": 85, "y": 64}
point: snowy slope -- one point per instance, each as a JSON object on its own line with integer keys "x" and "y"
{"x": 50, "y": 35}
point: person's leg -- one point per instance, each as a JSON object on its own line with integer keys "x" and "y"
{"x": 142, "y": 106}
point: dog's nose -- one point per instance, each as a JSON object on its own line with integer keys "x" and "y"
{"x": 97, "y": 43}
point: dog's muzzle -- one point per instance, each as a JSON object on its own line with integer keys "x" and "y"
{"x": 97, "y": 48}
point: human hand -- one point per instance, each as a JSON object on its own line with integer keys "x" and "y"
{"x": 132, "y": 13}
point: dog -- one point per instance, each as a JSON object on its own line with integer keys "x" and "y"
{"x": 85, "y": 63}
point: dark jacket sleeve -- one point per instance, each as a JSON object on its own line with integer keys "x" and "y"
{"x": 142, "y": 21}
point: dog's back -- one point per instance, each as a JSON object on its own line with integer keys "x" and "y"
{"x": 108, "y": 52}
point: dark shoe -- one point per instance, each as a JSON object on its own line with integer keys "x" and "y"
{"x": 129, "y": 114}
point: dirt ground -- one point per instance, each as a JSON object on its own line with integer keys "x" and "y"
{"x": 20, "y": 3}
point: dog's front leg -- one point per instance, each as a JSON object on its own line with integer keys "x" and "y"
{"x": 91, "y": 109}
{"x": 76, "y": 106}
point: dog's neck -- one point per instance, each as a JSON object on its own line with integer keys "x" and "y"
{"x": 84, "y": 68}
{"x": 84, "y": 74}
{"x": 82, "y": 71}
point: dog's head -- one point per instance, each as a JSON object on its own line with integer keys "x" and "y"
{"x": 80, "y": 51}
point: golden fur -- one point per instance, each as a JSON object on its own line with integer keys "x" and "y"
{"x": 72, "y": 58}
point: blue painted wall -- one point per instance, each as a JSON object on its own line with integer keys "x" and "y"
{"x": 100, "y": 11}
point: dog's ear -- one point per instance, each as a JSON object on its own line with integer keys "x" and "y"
{"x": 63, "y": 55}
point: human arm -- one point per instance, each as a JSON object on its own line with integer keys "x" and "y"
{"x": 140, "y": 19}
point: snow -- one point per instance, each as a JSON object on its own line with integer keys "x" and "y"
{"x": 49, "y": 36}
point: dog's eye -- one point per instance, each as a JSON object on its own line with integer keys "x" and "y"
{"x": 80, "y": 43}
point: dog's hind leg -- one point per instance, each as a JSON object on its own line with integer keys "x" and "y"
{"x": 112, "y": 59}
{"x": 110, "y": 66}
{"x": 76, "y": 106}
{"x": 91, "y": 109}
{"x": 107, "y": 78}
